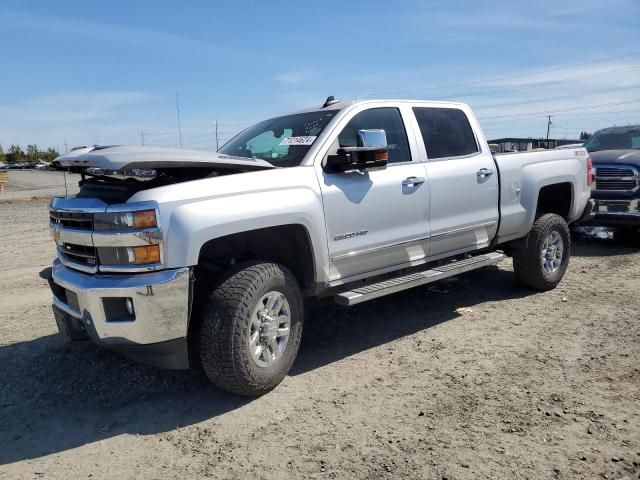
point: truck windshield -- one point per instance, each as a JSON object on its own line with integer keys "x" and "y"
{"x": 618, "y": 139}
{"x": 281, "y": 141}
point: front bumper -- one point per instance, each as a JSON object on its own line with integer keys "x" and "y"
{"x": 87, "y": 306}
{"x": 617, "y": 212}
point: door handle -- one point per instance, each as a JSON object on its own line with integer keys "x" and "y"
{"x": 412, "y": 182}
{"x": 485, "y": 172}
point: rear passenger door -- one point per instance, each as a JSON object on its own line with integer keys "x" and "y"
{"x": 463, "y": 182}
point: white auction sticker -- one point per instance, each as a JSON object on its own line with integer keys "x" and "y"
{"x": 298, "y": 140}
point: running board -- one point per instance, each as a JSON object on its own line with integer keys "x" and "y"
{"x": 376, "y": 290}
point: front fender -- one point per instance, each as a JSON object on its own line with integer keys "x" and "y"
{"x": 193, "y": 224}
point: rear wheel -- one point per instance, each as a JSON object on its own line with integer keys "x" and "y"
{"x": 542, "y": 263}
{"x": 251, "y": 329}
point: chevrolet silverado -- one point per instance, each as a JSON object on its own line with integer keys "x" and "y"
{"x": 183, "y": 258}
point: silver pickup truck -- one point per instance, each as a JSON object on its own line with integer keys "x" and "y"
{"x": 184, "y": 258}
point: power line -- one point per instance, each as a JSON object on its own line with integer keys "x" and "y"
{"x": 542, "y": 84}
{"x": 508, "y": 123}
{"x": 509, "y": 77}
{"x": 559, "y": 97}
{"x": 586, "y": 107}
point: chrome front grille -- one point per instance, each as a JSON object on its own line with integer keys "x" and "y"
{"x": 616, "y": 178}
{"x": 84, "y": 244}
{"x": 75, "y": 220}
{"x": 79, "y": 254}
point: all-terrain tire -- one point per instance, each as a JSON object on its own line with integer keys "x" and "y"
{"x": 532, "y": 267}
{"x": 226, "y": 323}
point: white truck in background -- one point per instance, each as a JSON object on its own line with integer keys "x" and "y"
{"x": 186, "y": 258}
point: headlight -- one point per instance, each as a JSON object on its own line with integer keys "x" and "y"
{"x": 143, "y": 255}
{"x": 129, "y": 256}
{"x": 125, "y": 220}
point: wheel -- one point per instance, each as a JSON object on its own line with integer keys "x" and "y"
{"x": 541, "y": 264}
{"x": 250, "y": 328}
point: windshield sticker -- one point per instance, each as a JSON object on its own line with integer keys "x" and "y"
{"x": 308, "y": 140}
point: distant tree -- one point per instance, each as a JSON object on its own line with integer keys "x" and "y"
{"x": 15, "y": 154}
{"x": 585, "y": 135}
{"x": 50, "y": 155}
{"x": 32, "y": 152}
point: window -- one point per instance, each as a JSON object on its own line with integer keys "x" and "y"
{"x": 387, "y": 119}
{"x": 619, "y": 138}
{"x": 446, "y": 132}
{"x": 268, "y": 140}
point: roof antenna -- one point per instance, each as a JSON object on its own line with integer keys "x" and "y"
{"x": 330, "y": 101}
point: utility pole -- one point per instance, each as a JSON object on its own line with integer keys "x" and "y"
{"x": 217, "y": 135}
{"x": 142, "y": 137}
{"x": 548, "y": 127}
{"x": 66, "y": 149}
{"x": 179, "y": 127}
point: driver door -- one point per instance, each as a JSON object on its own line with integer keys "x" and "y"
{"x": 377, "y": 218}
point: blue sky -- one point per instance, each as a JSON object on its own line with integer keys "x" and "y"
{"x": 101, "y": 72}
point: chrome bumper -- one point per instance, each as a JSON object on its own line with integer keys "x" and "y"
{"x": 160, "y": 300}
{"x": 617, "y": 212}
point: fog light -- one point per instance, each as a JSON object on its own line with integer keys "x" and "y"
{"x": 128, "y": 303}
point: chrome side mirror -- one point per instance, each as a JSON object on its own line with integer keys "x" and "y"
{"x": 371, "y": 152}
{"x": 371, "y": 138}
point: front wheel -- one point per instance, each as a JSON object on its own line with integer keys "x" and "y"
{"x": 251, "y": 329}
{"x": 542, "y": 263}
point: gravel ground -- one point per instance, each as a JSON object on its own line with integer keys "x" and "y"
{"x": 473, "y": 378}
{"x": 26, "y": 184}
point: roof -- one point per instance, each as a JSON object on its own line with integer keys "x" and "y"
{"x": 343, "y": 104}
{"x": 620, "y": 128}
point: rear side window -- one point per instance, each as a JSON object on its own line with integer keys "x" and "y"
{"x": 446, "y": 132}
{"x": 387, "y": 119}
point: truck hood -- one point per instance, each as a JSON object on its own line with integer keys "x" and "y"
{"x": 626, "y": 157}
{"x": 128, "y": 158}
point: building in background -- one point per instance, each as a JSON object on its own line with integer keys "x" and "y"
{"x": 527, "y": 144}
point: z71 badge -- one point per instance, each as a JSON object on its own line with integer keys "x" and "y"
{"x": 344, "y": 236}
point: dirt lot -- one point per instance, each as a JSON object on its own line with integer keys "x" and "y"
{"x": 475, "y": 378}
{"x": 25, "y": 184}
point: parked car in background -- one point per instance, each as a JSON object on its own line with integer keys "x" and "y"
{"x": 615, "y": 153}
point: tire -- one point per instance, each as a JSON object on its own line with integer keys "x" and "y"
{"x": 532, "y": 268}
{"x": 236, "y": 313}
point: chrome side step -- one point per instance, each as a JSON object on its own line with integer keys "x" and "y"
{"x": 380, "y": 289}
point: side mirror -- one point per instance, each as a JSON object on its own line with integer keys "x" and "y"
{"x": 371, "y": 152}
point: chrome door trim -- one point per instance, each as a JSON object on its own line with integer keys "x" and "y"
{"x": 375, "y": 249}
{"x": 463, "y": 229}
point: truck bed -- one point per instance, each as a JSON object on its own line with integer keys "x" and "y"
{"x": 522, "y": 175}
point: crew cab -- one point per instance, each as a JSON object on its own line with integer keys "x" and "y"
{"x": 184, "y": 258}
{"x": 615, "y": 152}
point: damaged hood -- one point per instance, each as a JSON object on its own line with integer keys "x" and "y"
{"x": 121, "y": 158}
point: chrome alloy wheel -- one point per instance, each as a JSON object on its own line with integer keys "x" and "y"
{"x": 269, "y": 328}
{"x": 552, "y": 251}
